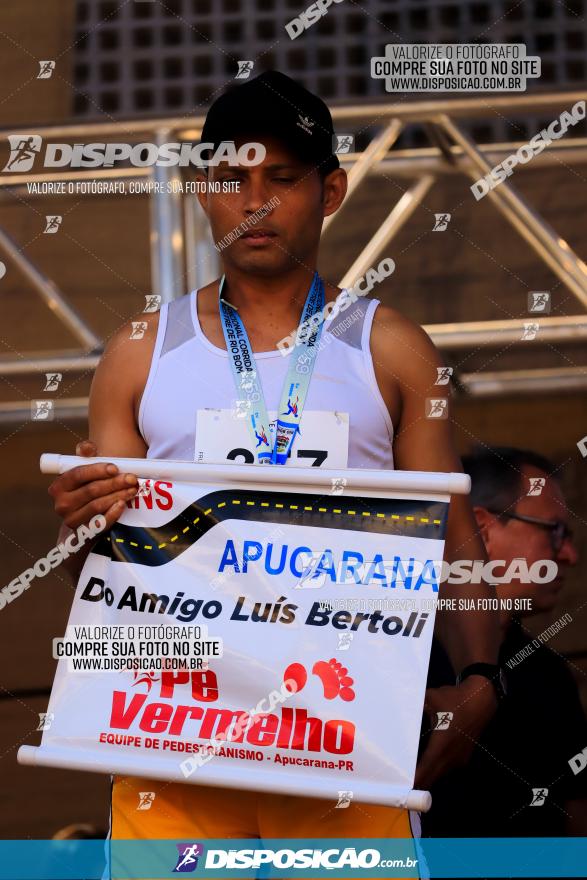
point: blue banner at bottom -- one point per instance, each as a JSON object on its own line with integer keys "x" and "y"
{"x": 530, "y": 857}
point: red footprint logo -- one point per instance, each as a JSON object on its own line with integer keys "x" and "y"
{"x": 333, "y": 675}
{"x": 335, "y": 681}
{"x": 295, "y": 677}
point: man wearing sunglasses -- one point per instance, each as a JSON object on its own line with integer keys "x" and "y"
{"x": 519, "y": 777}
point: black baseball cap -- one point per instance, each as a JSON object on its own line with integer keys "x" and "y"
{"x": 275, "y": 104}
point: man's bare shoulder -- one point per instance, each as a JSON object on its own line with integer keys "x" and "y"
{"x": 118, "y": 384}
{"x": 394, "y": 330}
{"x": 390, "y": 320}
{"x": 404, "y": 346}
{"x": 124, "y": 366}
{"x": 132, "y": 342}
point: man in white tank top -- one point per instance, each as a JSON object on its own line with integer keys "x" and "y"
{"x": 365, "y": 407}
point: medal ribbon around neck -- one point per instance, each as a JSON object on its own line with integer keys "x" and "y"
{"x": 273, "y": 442}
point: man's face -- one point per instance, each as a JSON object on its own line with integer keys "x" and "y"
{"x": 292, "y": 225}
{"x": 511, "y": 539}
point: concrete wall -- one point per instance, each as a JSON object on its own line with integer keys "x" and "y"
{"x": 34, "y": 32}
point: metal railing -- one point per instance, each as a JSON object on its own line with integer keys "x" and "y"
{"x": 181, "y": 246}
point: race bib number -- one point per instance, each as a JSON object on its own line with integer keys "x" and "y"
{"x": 323, "y": 440}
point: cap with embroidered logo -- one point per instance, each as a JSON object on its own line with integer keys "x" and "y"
{"x": 274, "y": 104}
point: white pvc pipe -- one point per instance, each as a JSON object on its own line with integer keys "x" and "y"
{"x": 358, "y": 480}
{"x": 254, "y": 778}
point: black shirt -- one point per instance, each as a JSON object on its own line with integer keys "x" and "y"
{"x": 537, "y": 729}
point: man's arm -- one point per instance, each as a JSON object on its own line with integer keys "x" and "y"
{"x": 83, "y": 492}
{"x": 406, "y": 364}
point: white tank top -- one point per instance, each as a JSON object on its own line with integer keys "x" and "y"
{"x": 188, "y": 373}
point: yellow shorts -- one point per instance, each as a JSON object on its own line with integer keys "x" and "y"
{"x": 199, "y": 812}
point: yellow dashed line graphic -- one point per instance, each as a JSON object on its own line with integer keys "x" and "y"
{"x": 279, "y": 506}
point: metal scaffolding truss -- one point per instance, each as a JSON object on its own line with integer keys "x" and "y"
{"x": 181, "y": 246}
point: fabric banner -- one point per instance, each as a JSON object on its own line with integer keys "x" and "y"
{"x": 274, "y": 636}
